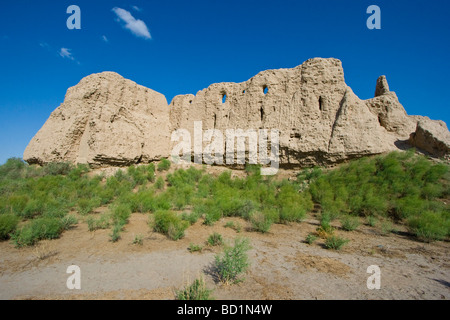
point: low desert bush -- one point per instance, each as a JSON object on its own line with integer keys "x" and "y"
{"x": 37, "y": 229}
{"x": 68, "y": 221}
{"x": 103, "y": 222}
{"x": 164, "y": 165}
{"x": 116, "y": 231}
{"x": 120, "y": 214}
{"x": 311, "y": 238}
{"x": 168, "y": 223}
{"x": 138, "y": 240}
{"x": 61, "y": 168}
{"x": 386, "y": 227}
{"x": 429, "y": 226}
{"x": 212, "y": 215}
{"x": 325, "y": 228}
{"x": 190, "y": 217}
{"x": 87, "y": 205}
{"x": 13, "y": 169}
{"x": 293, "y": 205}
{"x": 350, "y": 223}
{"x": 261, "y": 222}
{"x": 195, "y": 247}
{"x": 195, "y": 291}
{"x": 233, "y": 261}
{"x": 8, "y": 224}
{"x": 236, "y": 226}
{"x": 400, "y": 186}
{"x": 335, "y": 242}
{"x": 372, "y": 221}
{"x": 159, "y": 183}
{"x": 215, "y": 239}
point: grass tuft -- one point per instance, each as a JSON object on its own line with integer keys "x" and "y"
{"x": 335, "y": 242}
{"x": 195, "y": 291}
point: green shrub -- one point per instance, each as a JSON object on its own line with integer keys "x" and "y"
{"x": 34, "y": 208}
{"x": 195, "y": 247}
{"x": 235, "y": 226}
{"x": 161, "y": 202}
{"x": 181, "y": 196}
{"x": 225, "y": 178}
{"x": 92, "y": 224}
{"x": 292, "y": 213}
{"x": 16, "y": 203}
{"x": 374, "y": 205}
{"x": 233, "y": 261}
{"x": 386, "y": 227}
{"x": 293, "y": 205}
{"x": 97, "y": 224}
{"x": 159, "y": 183}
{"x": 139, "y": 175}
{"x": 164, "y": 165}
{"x": 37, "y": 229}
{"x": 87, "y": 205}
{"x": 168, "y": 223}
{"x": 151, "y": 172}
{"x": 311, "y": 238}
{"x": 428, "y": 226}
{"x": 215, "y": 239}
{"x": 335, "y": 242}
{"x": 12, "y": 169}
{"x": 78, "y": 171}
{"x": 261, "y": 222}
{"x": 399, "y": 186}
{"x": 142, "y": 201}
{"x": 68, "y": 221}
{"x": 350, "y": 223}
{"x": 192, "y": 217}
{"x": 60, "y": 168}
{"x": 212, "y": 216}
{"x": 229, "y": 224}
{"x": 138, "y": 240}
{"x": 195, "y": 291}
{"x": 372, "y": 221}
{"x": 232, "y": 206}
{"x": 325, "y": 223}
{"x": 181, "y": 178}
{"x": 409, "y": 206}
{"x": 8, "y": 224}
{"x": 176, "y": 231}
{"x": 253, "y": 169}
{"x": 121, "y": 213}
{"x": 116, "y": 230}
{"x": 309, "y": 174}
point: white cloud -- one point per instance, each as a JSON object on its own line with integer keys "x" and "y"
{"x": 136, "y": 8}
{"x": 65, "y": 53}
{"x": 104, "y": 38}
{"x": 136, "y": 26}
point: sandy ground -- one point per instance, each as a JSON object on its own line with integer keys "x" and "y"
{"x": 283, "y": 266}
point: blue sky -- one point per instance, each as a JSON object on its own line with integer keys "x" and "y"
{"x": 180, "y": 47}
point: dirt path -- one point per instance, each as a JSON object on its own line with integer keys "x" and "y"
{"x": 283, "y": 266}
